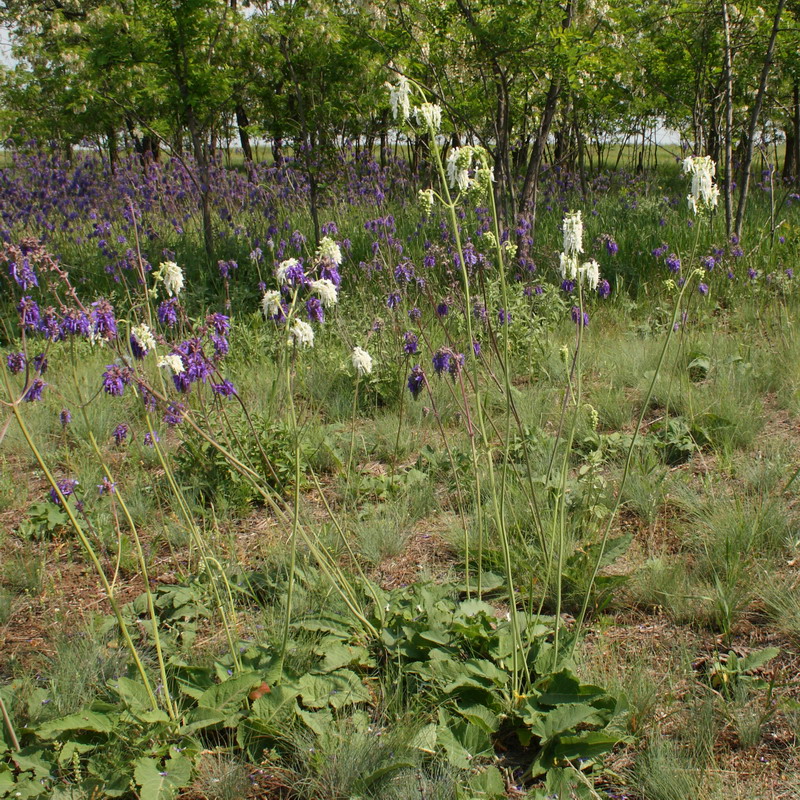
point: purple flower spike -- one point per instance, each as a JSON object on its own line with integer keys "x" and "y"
{"x": 28, "y": 312}
{"x": 120, "y": 433}
{"x": 115, "y": 379}
{"x": 224, "y": 389}
{"x": 703, "y": 289}
{"x": 16, "y": 362}
{"x": 410, "y": 343}
{"x": 34, "y": 392}
{"x": 673, "y": 263}
{"x": 174, "y": 414}
{"x": 416, "y": 381}
{"x": 576, "y": 316}
{"x": 65, "y": 417}
{"x": 604, "y": 289}
{"x": 168, "y": 312}
{"x": 66, "y": 487}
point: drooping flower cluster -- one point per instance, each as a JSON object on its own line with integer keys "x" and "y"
{"x": 704, "y": 194}
{"x": 362, "y": 361}
{"x": 400, "y": 98}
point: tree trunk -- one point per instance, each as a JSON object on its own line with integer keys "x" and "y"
{"x": 753, "y": 124}
{"x": 727, "y": 186}
{"x": 244, "y": 137}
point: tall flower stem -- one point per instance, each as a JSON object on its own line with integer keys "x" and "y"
{"x": 87, "y": 546}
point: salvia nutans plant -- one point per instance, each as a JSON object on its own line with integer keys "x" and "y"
{"x": 117, "y": 329}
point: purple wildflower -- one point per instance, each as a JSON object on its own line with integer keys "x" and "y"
{"x": 393, "y": 300}
{"x": 611, "y": 246}
{"x": 115, "y": 379}
{"x": 442, "y": 310}
{"x": 414, "y": 314}
{"x": 103, "y": 321}
{"x": 604, "y": 288}
{"x": 66, "y": 487}
{"x": 673, "y": 263}
{"x": 24, "y": 274}
{"x": 752, "y": 273}
{"x": 150, "y": 439}
{"x": 28, "y": 312}
{"x": 702, "y": 288}
{"x": 330, "y": 271}
{"x": 224, "y": 389}
{"x": 441, "y": 361}
{"x": 709, "y": 262}
{"x": 174, "y": 414}
{"x": 567, "y": 286}
{"x": 220, "y": 345}
{"x": 226, "y": 267}
{"x": 35, "y": 390}
{"x": 314, "y": 310}
{"x": 65, "y": 417}
{"x": 737, "y": 252}
{"x": 106, "y": 487}
{"x": 74, "y": 323}
{"x": 16, "y": 362}
{"x": 410, "y": 343}
{"x": 404, "y": 272}
{"x": 476, "y": 347}
{"x": 137, "y": 350}
{"x": 504, "y": 317}
{"x": 120, "y": 433}
{"x": 219, "y": 322}
{"x": 416, "y": 381}
{"x": 576, "y": 316}
{"x": 661, "y": 250}
{"x": 168, "y": 312}
{"x": 40, "y": 363}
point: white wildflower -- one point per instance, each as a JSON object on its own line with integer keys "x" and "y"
{"x": 326, "y": 289}
{"x": 573, "y": 233}
{"x": 569, "y": 267}
{"x": 590, "y": 273}
{"x": 430, "y": 114}
{"x": 271, "y": 303}
{"x": 328, "y": 250}
{"x": 362, "y": 361}
{"x": 301, "y": 333}
{"x": 283, "y": 268}
{"x": 174, "y": 362}
{"x": 144, "y": 336}
{"x": 400, "y": 98}
{"x": 705, "y": 193}
{"x": 426, "y": 200}
{"x": 459, "y": 160}
{"x": 172, "y": 276}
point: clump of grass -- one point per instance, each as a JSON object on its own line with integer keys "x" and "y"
{"x": 221, "y": 777}
{"x": 78, "y": 671}
{"x": 23, "y": 572}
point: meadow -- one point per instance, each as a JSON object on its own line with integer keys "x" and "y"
{"x": 393, "y": 502}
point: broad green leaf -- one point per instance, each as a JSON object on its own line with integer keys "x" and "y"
{"x": 479, "y": 715}
{"x": 462, "y": 742}
{"x": 338, "y": 689}
{"x": 199, "y": 718}
{"x": 758, "y": 658}
{"x": 488, "y": 784}
{"x": 86, "y": 720}
{"x": 227, "y": 696}
{"x": 133, "y": 694}
{"x": 161, "y": 781}
{"x": 425, "y": 739}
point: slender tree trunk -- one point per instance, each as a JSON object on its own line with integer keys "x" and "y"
{"x": 727, "y": 186}
{"x": 242, "y": 122}
{"x": 753, "y": 124}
